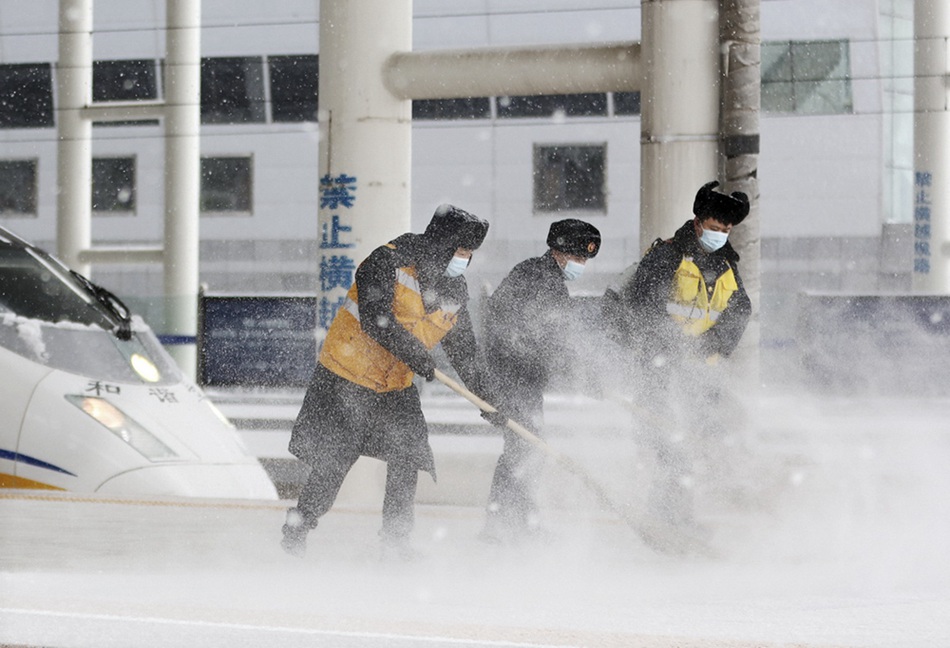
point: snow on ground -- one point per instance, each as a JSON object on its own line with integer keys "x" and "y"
{"x": 831, "y": 530}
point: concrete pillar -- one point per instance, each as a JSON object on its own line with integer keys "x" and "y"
{"x": 679, "y": 106}
{"x": 182, "y": 179}
{"x": 365, "y": 147}
{"x": 740, "y": 38}
{"x": 74, "y": 149}
{"x": 931, "y": 148}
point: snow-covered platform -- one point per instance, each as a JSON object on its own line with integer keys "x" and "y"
{"x": 829, "y": 522}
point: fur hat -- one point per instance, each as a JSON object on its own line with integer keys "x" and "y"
{"x": 456, "y": 228}
{"x": 730, "y": 210}
{"x": 576, "y": 237}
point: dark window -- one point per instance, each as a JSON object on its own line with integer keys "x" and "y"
{"x": 569, "y": 178}
{"x": 113, "y": 184}
{"x": 294, "y": 88}
{"x": 806, "y": 77}
{"x": 626, "y": 103}
{"x": 26, "y": 96}
{"x": 572, "y": 105}
{"x": 17, "y": 188}
{"x": 226, "y": 184}
{"x": 467, "y": 108}
{"x": 232, "y": 90}
{"x": 123, "y": 80}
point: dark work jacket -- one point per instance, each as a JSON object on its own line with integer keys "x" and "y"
{"x": 527, "y": 324}
{"x": 342, "y": 419}
{"x": 646, "y": 325}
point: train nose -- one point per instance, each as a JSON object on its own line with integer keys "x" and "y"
{"x": 216, "y": 481}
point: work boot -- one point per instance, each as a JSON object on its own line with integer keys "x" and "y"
{"x": 397, "y": 550}
{"x": 295, "y": 531}
{"x": 496, "y": 529}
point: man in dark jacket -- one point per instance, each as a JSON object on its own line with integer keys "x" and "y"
{"x": 683, "y": 310}
{"x": 530, "y": 329}
{"x": 409, "y": 295}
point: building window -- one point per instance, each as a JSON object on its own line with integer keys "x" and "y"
{"x": 572, "y": 105}
{"x": 806, "y": 77}
{"x": 113, "y": 185}
{"x": 17, "y": 188}
{"x": 232, "y": 90}
{"x": 569, "y": 178}
{"x": 466, "y": 108}
{"x": 26, "y": 96}
{"x": 626, "y": 103}
{"x": 294, "y": 88}
{"x": 226, "y": 185}
{"x": 123, "y": 80}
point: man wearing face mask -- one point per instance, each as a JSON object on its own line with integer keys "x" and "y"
{"x": 408, "y": 296}
{"x": 531, "y": 334}
{"x": 683, "y": 310}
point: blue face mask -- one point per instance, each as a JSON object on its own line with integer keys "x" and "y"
{"x": 572, "y": 270}
{"x": 456, "y": 266}
{"x": 712, "y": 240}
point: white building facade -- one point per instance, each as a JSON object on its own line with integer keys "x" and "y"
{"x": 835, "y": 169}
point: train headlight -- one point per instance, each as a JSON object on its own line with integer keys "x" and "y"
{"x": 124, "y": 427}
{"x": 145, "y": 368}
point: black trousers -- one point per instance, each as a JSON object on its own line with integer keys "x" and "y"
{"x": 326, "y": 478}
{"x": 511, "y": 499}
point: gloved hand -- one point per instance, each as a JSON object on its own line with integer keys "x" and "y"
{"x": 426, "y": 370}
{"x": 495, "y": 418}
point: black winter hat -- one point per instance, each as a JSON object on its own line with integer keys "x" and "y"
{"x": 730, "y": 210}
{"x": 573, "y": 236}
{"x": 457, "y": 228}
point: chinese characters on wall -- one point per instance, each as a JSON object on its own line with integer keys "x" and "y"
{"x": 337, "y": 194}
{"x": 923, "y": 183}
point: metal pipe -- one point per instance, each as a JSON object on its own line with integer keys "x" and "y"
{"x": 112, "y": 111}
{"x": 451, "y": 74}
{"x": 117, "y": 254}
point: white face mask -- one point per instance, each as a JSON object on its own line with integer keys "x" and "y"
{"x": 572, "y": 270}
{"x": 456, "y": 266}
{"x": 712, "y": 240}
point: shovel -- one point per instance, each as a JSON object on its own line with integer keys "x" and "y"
{"x": 657, "y": 535}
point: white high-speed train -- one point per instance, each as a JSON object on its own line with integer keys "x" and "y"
{"x": 90, "y": 402}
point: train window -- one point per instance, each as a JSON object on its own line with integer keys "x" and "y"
{"x": 17, "y": 188}
{"x": 232, "y": 90}
{"x": 570, "y": 105}
{"x": 48, "y": 317}
{"x": 294, "y": 87}
{"x": 113, "y": 185}
{"x": 569, "y": 178}
{"x": 34, "y": 290}
{"x": 226, "y": 185}
{"x": 26, "y": 95}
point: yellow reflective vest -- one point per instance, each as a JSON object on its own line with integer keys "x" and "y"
{"x": 692, "y": 303}
{"x": 352, "y": 354}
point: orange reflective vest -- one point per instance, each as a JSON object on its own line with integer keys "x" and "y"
{"x": 352, "y": 354}
{"x": 692, "y": 304}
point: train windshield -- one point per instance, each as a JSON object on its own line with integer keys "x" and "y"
{"x": 58, "y": 318}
